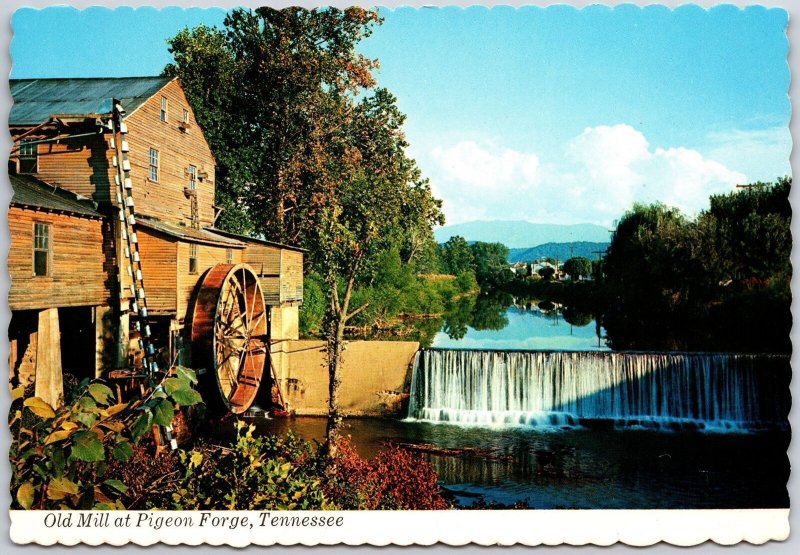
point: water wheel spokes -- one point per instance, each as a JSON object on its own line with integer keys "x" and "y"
{"x": 229, "y": 330}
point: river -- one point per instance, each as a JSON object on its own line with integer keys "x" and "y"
{"x": 563, "y": 422}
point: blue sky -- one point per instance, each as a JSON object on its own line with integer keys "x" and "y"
{"x": 549, "y": 115}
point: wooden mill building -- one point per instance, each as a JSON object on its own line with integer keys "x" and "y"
{"x": 71, "y": 295}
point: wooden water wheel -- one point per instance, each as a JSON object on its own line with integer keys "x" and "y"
{"x": 229, "y": 336}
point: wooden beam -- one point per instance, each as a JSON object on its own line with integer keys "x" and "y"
{"x": 49, "y": 377}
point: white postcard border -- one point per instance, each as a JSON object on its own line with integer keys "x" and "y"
{"x": 505, "y": 527}
{"x": 724, "y": 527}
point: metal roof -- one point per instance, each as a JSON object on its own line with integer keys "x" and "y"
{"x": 254, "y": 240}
{"x": 189, "y": 234}
{"x": 35, "y": 100}
{"x": 29, "y": 192}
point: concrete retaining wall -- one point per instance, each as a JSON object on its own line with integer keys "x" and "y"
{"x": 375, "y": 377}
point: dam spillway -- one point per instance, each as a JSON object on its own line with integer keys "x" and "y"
{"x": 552, "y": 389}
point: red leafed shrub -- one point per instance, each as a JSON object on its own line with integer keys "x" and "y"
{"x": 394, "y": 479}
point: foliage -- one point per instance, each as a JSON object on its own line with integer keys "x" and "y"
{"x": 491, "y": 264}
{"x": 455, "y": 256}
{"x": 312, "y": 311}
{"x": 256, "y": 473}
{"x": 60, "y": 457}
{"x": 393, "y": 480}
{"x": 578, "y": 267}
{"x": 710, "y": 279}
{"x": 149, "y": 479}
{"x": 268, "y": 91}
{"x": 547, "y": 272}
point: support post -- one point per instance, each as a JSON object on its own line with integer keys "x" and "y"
{"x": 105, "y": 352}
{"x": 49, "y": 385}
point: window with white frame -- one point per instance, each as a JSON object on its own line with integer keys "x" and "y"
{"x": 185, "y": 115}
{"x": 163, "y": 113}
{"x": 192, "y": 258}
{"x": 192, "y": 173}
{"x": 153, "y": 164}
{"x": 41, "y": 249}
{"x": 28, "y": 156}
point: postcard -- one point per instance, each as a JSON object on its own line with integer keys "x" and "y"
{"x": 366, "y": 275}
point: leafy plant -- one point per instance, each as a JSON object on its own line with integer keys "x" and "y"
{"x": 60, "y": 457}
{"x": 257, "y": 473}
{"x": 394, "y": 479}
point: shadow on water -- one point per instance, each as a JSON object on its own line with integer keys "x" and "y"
{"x": 585, "y": 469}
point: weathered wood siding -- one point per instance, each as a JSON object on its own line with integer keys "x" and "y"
{"x": 207, "y": 256}
{"x": 291, "y": 276}
{"x": 280, "y": 271}
{"x": 159, "y": 253}
{"x": 177, "y": 150}
{"x": 266, "y": 262}
{"x": 81, "y": 165}
{"x": 76, "y": 276}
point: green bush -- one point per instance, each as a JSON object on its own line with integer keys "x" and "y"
{"x": 256, "y": 473}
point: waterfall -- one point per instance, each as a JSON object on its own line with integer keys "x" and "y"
{"x": 708, "y": 391}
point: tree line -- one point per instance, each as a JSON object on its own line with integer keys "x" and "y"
{"x": 719, "y": 281}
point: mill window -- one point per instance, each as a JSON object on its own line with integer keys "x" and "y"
{"x": 229, "y": 256}
{"x": 192, "y": 258}
{"x": 185, "y": 115}
{"x": 28, "y": 156}
{"x": 41, "y": 249}
{"x": 163, "y": 113}
{"x": 153, "y": 164}
{"x": 192, "y": 172}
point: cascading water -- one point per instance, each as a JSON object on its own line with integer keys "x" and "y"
{"x": 557, "y": 389}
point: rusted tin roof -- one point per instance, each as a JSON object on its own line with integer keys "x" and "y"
{"x": 29, "y": 192}
{"x": 245, "y": 238}
{"x": 35, "y": 100}
{"x": 188, "y": 234}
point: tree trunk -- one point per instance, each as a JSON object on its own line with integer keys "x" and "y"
{"x": 334, "y": 355}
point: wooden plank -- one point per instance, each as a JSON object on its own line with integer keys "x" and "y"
{"x": 81, "y": 165}
{"x": 159, "y": 255}
{"x": 49, "y": 377}
{"x": 291, "y": 276}
{"x": 208, "y": 256}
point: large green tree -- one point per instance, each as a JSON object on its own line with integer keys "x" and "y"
{"x": 721, "y": 280}
{"x": 310, "y": 150}
{"x": 491, "y": 263}
{"x": 271, "y": 90}
{"x": 578, "y": 267}
{"x": 455, "y": 256}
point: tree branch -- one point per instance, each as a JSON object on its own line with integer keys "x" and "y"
{"x": 356, "y": 311}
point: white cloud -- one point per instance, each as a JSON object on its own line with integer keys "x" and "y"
{"x": 762, "y": 154}
{"x": 485, "y": 167}
{"x": 602, "y": 172}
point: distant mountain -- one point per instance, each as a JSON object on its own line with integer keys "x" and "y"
{"x": 521, "y": 234}
{"x": 559, "y": 251}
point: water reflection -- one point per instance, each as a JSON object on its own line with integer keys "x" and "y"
{"x": 502, "y": 322}
{"x": 585, "y": 469}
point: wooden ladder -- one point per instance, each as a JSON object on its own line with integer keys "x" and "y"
{"x": 130, "y": 246}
